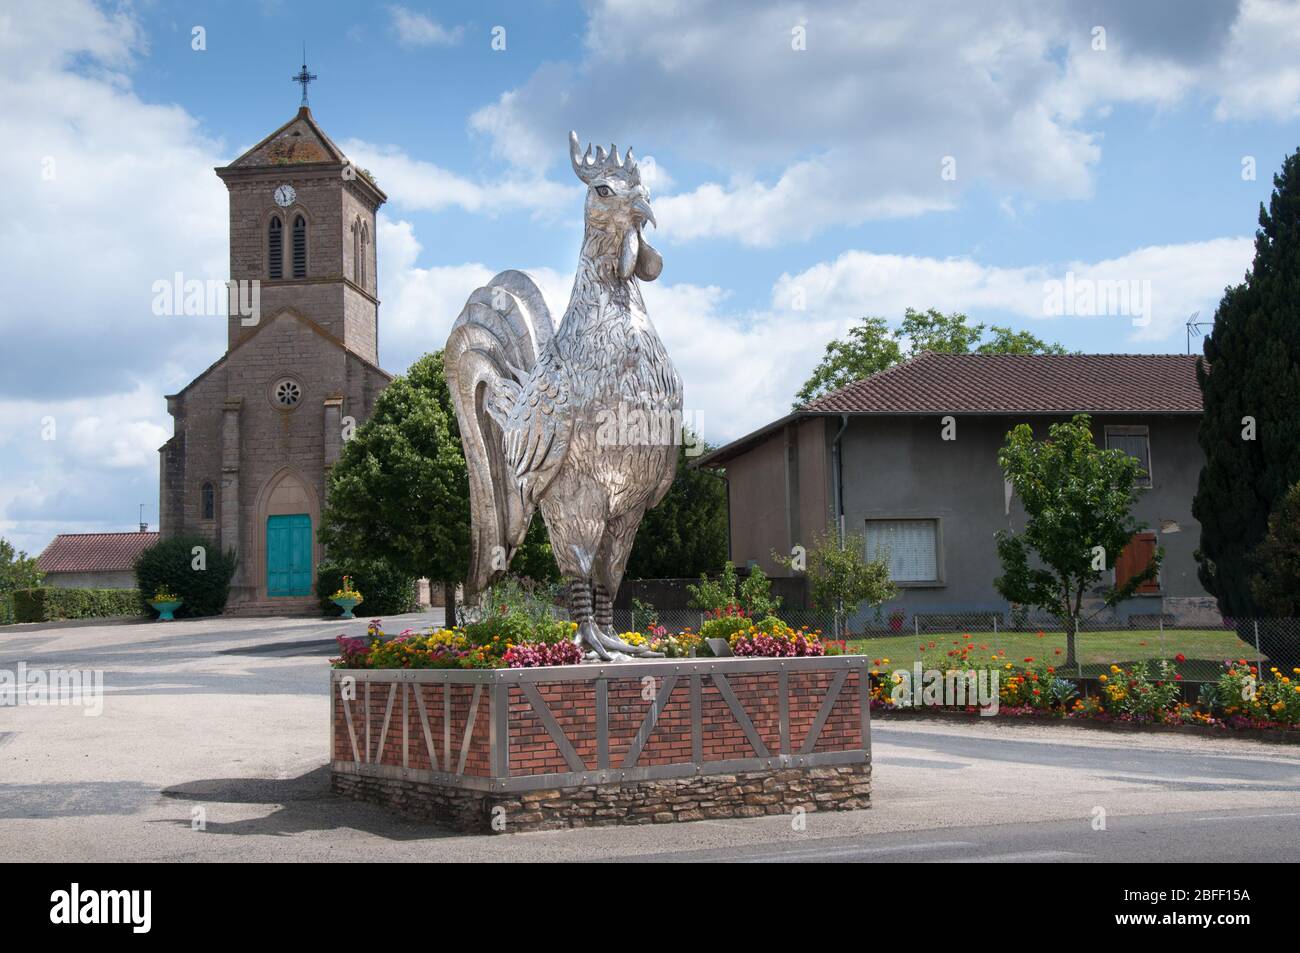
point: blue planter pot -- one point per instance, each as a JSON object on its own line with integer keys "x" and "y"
{"x": 347, "y": 605}
{"x": 165, "y": 610}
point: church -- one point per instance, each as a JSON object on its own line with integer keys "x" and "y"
{"x": 256, "y": 433}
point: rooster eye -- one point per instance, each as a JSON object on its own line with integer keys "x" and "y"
{"x": 604, "y": 191}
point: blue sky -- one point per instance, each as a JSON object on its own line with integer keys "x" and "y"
{"x": 813, "y": 163}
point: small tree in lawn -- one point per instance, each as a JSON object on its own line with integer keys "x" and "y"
{"x": 841, "y": 578}
{"x": 1078, "y": 501}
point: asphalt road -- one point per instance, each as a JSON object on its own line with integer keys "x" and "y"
{"x": 212, "y": 740}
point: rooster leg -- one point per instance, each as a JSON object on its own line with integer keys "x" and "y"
{"x": 604, "y": 618}
{"x": 587, "y": 637}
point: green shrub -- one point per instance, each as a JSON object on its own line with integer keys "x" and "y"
{"x": 385, "y": 590}
{"x": 47, "y": 603}
{"x": 173, "y": 565}
{"x": 724, "y": 627}
{"x": 725, "y": 593}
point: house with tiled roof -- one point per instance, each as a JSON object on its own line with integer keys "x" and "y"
{"x": 93, "y": 560}
{"x": 908, "y": 458}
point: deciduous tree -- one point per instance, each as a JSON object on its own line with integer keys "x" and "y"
{"x": 1078, "y": 501}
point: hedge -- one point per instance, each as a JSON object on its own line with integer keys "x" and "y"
{"x": 47, "y": 603}
{"x": 386, "y": 592}
{"x": 174, "y": 564}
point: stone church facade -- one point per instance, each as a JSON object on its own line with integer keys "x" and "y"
{"x": 257, "y": 432}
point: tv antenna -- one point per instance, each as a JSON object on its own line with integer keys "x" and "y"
{"x": 1194, "y": 328}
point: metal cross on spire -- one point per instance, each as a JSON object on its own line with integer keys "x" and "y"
{"x": 303, "y": 76}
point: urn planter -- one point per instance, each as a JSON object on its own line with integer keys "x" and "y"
{"x": 166, "y": 608}
{"x": 347, "y": 605}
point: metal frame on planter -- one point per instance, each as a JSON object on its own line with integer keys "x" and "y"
{"x": 496, "y": 684}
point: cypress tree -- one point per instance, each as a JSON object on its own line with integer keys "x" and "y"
{"x": 1250, "y": 375}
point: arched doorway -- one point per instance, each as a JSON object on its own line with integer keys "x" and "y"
{"x": 287, "y": 516}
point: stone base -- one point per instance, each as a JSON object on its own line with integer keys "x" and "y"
{"x": 747, "y": 794}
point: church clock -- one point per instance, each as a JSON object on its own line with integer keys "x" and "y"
{"x": 284, "y": 196}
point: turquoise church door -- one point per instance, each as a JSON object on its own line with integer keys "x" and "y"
{"x": 288, "y": 555}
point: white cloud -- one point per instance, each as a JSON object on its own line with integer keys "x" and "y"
{"x": 418, "y": 185}
{"x": 805, "y": 199}
{"x": 1183, "y": 278}
{"x": 420, "y": 304}
{"x": 1260, "y": 73}
{"x": 856, "y": 126}
{"x": 415, "y": 29}
{"x": 79, "y": 464}
{"x": 107, "y": 195}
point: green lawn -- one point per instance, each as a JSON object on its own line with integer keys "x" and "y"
{"x": 1205, "y": 649}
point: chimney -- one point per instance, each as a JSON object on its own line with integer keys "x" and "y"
{"x": 144, "y": 527}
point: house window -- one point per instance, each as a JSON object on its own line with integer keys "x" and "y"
{"x": 209, "y": 502}
{"x": 1135, "y": 441}
{"x": 1135, "y": 558}
{"x": 910, "y": 547}
{"x": 300, "y": 247}
{"x": 275, "y": 249}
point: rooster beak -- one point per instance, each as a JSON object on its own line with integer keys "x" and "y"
{"x": 642, "y": 208}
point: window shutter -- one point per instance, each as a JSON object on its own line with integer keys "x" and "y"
{"x": 1136, "y": 557}
{"x": 275, "y": 250}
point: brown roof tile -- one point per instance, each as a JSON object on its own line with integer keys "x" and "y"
{"x": 1023, "y": 383}
{"x": 94, "y": 552}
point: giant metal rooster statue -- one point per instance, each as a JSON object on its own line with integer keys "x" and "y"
{"x": 542, "y": 411}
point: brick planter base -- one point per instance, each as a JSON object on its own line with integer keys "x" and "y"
{"x": 584, "y": 745}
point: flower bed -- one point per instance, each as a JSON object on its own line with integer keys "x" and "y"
{"x": 1138, "y": 693}
{"x": 512, "y": 639}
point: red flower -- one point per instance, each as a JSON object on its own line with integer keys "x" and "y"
{"x": 1180, "y": 657}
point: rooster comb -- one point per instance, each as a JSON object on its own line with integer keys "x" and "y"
{"x": 589, "y": 168}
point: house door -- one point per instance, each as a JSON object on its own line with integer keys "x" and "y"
{"x": 288, "y": 555}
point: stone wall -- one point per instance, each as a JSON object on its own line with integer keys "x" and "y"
{"x": 711, "y": 797}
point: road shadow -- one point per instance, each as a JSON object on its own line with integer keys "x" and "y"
{"x": 298, "y": 805}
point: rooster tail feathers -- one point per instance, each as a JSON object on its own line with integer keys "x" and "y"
{"x": 493, "y": 346}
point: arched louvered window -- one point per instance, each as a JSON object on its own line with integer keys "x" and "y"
{"x": 275, "y": 249}
{"x": 365, "y": 254}
{"x": 209, "y": 502}
{"x": 300, "y": 247}
{"x": 356, "y": 251}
